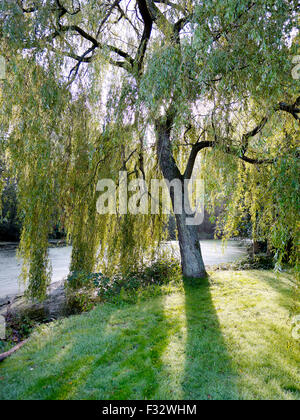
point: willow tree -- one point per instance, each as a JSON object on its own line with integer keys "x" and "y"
{"x": 200, "y": 75}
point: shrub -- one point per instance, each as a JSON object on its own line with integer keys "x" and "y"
{"x": 85, "y": 288}
{"x": 19, "y": 326}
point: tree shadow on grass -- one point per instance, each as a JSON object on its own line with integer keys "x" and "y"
{"x": 169, "y": 347}
{"x": 209, "y": 373}
{"x": 118, "y": 358}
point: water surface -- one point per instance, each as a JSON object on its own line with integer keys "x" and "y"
{"x": 10, "y": 267}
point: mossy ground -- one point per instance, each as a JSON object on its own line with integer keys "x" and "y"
{"x": 229, "y": 338}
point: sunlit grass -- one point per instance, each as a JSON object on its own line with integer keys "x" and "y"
{"x": 230, "y": 339}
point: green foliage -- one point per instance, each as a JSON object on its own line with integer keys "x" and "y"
{"x": 265, "y": 196}
{"x": 60, "y": 135}
{"x": 120, "y": 288}
{"x": 19, "y": 327}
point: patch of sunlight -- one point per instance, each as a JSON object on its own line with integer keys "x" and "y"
{"x": 254, "y": 311}
{"x": 62, "y": 353}
{"x": 173, "y": 357}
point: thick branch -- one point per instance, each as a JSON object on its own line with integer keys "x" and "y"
{"x": 193, "y": 155}
{"x": 165, "y": 156}
{"x": 64, "y": 10}
{"x": 207, "y": 144}
{"x": 294, "y": 109}
{"x": 96, "y": 44}
{"x": 254, "y": 161}
{"x": 148, "y": 25}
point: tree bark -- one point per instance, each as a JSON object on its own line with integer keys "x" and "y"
{"x": 190, "y": 250}
{"x": 188, "y": 235}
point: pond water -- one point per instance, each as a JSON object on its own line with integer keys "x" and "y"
{"x": 10, "y": 267}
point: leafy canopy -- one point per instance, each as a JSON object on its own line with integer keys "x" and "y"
{"x": 86, "y": 82}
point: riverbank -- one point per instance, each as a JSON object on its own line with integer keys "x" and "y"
{"x": 229, "y": 338}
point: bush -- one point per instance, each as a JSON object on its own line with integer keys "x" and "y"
{"x": 19, "y": 326}
{"x": 85, "y": 288}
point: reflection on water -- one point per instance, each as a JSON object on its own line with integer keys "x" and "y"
{"x": 10, "y": 268}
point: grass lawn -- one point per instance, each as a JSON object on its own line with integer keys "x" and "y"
{"x": 231, "y": 339}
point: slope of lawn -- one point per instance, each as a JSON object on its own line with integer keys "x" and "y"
{"x": 230, "y": 338}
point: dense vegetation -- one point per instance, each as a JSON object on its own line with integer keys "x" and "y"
{"x": 95, "y": 87}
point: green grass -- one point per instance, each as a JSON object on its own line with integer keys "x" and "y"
{"x": 230, "y": 339}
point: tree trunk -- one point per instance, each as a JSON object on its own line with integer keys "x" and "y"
{"x": 190, "y": 249}
{"x": 188, "y": 235}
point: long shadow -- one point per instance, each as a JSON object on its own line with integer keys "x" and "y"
{"x": 122, "y": 358}
{"x": 208, "y": 368}
{"x": 166, "y": 348}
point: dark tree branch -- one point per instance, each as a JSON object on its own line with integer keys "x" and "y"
{"x": 126, "y": 17}
{"x": 294, "y": 109}
{"x": 108, "y": 14}
{"x": 210, "y": 144}
{"x": 193, "y": 155}
{"x": 96, "y": 44}
{"x": 26, "y": 9}
{"x": 178, "y": 26}
{"x": 254, "y": 161}
{"x": 64, "y": 11}
{"x": 82, "y": 59}
{"x": 252, "y": 133}
{"x": 148, "y": 25}
{"x": 80, "y": 31}
{"x": 171, "y": 4}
